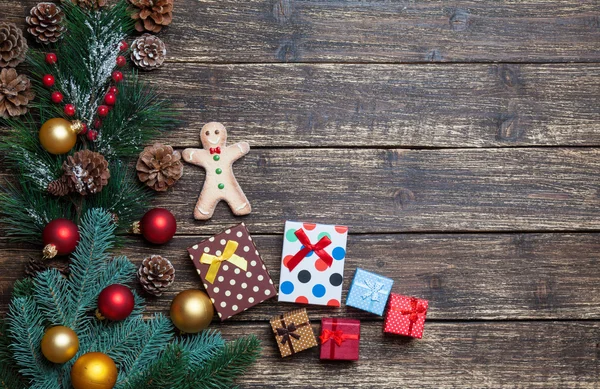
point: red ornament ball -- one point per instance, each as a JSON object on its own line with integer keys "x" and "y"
{"x": 103, "y": 111}
{"x": 48, "y": 80}
{"x": 115, "y": 302}
{"x": 92, "y": 135}
{"x": 110, "y": 98}
{"x": 60, "y": 237}
{"x": 69, "y": 110}
{"x": 113, "y": 89}
{"x": 117, "y": 76}
{"x": 121, "y": 61}
{"x": 51, "y": 58}
{"x": 158, "y": 226}
{"x": 84, "y": 128}
{"x": 124, "y": 46}
{"x": 56, "y": 97}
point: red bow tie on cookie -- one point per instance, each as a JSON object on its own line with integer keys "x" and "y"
{"x": 216, "y": 150}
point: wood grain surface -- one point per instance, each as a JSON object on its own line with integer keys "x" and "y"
{"x": 459, "y": 141}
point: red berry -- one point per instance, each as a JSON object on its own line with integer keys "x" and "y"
{"x": 124, "y": 46}
{"x": 97, "y": 123}
{"x": 113, "y": 89}
{"x": 51, "y": 58}
{"x": 117, "y": 76}
{"x": 110, "y": 99}
{"x": 121, "y": 61}
{"x": 56, "y": 97}
{"x": 84, "y": 128}
{"x": 102, "y": 111}
{"x": 48, "y": 80}
{"x": 92, "y": 135}
{"x": 69, "y": 110}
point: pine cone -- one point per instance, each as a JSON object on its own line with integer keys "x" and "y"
{"x": 37, "y": 265}
{"x": 15, "y": 93}
{"x": 60, "y": 187}
{"x": 12, "y": 45}
{"x": 152, "y": 15}
{"x": 89, "y": 4}
{"x": 156, "y": 274}
{"x": 148, "y": 52}
{"x": 45, "y": 22}
{"x": 86, "y": 171}
{"x": 159, "y": 167}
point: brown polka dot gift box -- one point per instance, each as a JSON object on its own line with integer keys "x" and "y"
{"x": 232, "y": 271}
{"x": 293, "y": 332}
{"x": 405, "y": 316}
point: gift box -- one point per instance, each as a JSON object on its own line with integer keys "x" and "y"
{"x": 340, "y": 339}
{"x": 232, "y": 271}
{"x": 369, "y": 291}
{"x": 405, "y": 316}
{"x": 293, "y": 332}
{"x": 312, "y": 265}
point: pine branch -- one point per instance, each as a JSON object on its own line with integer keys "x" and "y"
{"x": 53, "y": 296}
{"x": 9, "y": 378}
{"x": 23, "y": 288}
{"x": 201, "y": 347}
{"x": 168, "y": 372}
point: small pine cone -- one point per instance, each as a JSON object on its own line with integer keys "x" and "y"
{"x": 86, "y": 171}
{"x": 89, "y": 4}
{"x": 45, "y": 22}
{"x": 37, "y": 265}
{"x": 156, "y": 274}
{"x": 152, "y": 15}
{"x": 148, "y": 52}
{"x": 159, "y": 167}
{"x": 60, "y": 187}
{"x": 15, "y": 93}
{"x": 13, "y": 46}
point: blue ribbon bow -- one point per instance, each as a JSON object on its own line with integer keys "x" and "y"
{"x": 373, "y": 290}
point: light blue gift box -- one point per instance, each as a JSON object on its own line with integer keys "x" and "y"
{"x": 369, "y": 291}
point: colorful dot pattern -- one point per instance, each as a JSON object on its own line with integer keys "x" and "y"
{"x": 307, "y": 336}
{"x": 359, "y": 288}
{"x": 234, "y": 290}
{"x": 398, "y": 323}
{"x": 313, "y": 281}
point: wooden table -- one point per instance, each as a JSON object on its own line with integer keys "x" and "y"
{"x": 458, "y": 140}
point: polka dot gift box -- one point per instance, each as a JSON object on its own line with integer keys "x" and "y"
{"x": 293, "y": 332}
{"x": 340, "y": 339}
{"x": 232, "y": 271}
{"x": 312, "y": 265}
{"x": 405, "y": 316}
{"x": 369, "y": 291}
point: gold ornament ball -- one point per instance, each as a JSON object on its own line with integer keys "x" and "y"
{"x": 60, "y": 344}
{"x": 94, "y": 371}
{"x": 58, "y": 136}
{"x": 192, "y": 311}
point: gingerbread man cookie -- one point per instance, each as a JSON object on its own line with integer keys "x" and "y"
{"x": 217, "y": 159}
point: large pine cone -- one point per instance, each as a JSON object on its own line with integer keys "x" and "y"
{"x": 159, "y": 167}
{"x": 148, "y": 52}
{"x": 152, "y": 15}
{"x": 15, "y": 93}
{"x": 13, "y": 46}
{"x": 45, "y": 22}
{"x": 156, "y": 274}
{"x": 89, "y": 4}
{"x": 86, "y": 171}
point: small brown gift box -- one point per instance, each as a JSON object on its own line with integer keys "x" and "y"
{"x": 293, "y": 332}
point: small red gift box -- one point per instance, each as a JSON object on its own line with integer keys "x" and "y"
{"x": 340, "y": 339}
{"x": 405, "y": 316}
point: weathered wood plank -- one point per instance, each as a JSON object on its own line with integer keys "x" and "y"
{"x": 450, "y": 356}
{"x": 388, "y": 105}
{"x": 378, "y": 31}
{"x": 464, "y": 276}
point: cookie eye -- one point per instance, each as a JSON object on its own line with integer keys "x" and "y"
{"x": 217, "y": 132}
{"x": 207, "y": 133}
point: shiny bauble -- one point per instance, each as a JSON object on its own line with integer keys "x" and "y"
{"x": 51, "y": 58}
{"x": 69, "y": 109}
{"x": 192, "y": 311}
{"x": 58, "y": 136}
{"x": 158, "y": 226}
{"x": 56, "y": 97}
{"x": 60, "y": 237}
{"x": 94, "y": 371}
{"x": 60, "y": 344}
{"x": 48, "y": 80}
{"x": 115, "y": 302}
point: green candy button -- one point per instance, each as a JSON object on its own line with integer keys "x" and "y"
{"x": 218, "y": 171}
{"x": 221, "y": 186}
{"x": 216, "y": 157}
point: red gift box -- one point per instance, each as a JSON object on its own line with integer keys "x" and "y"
{"x": 405, "y": 316}
{"x": 340, "y": 339}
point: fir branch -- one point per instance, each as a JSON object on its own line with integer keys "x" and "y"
{"x": 201, "y": 347}
{"x": 167, "y": 372}
{"x": 53, "y": 296}
{"x": 23, "y": 288}
{"x": 9, "y": 378}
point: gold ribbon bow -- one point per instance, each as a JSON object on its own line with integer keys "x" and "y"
{"x": 215, "y": 261}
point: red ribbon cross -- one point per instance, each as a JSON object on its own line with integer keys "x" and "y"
{"x": 416, "y": 310}
{"x": 336, "y": 337}
{"x": 318, "y": 248}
